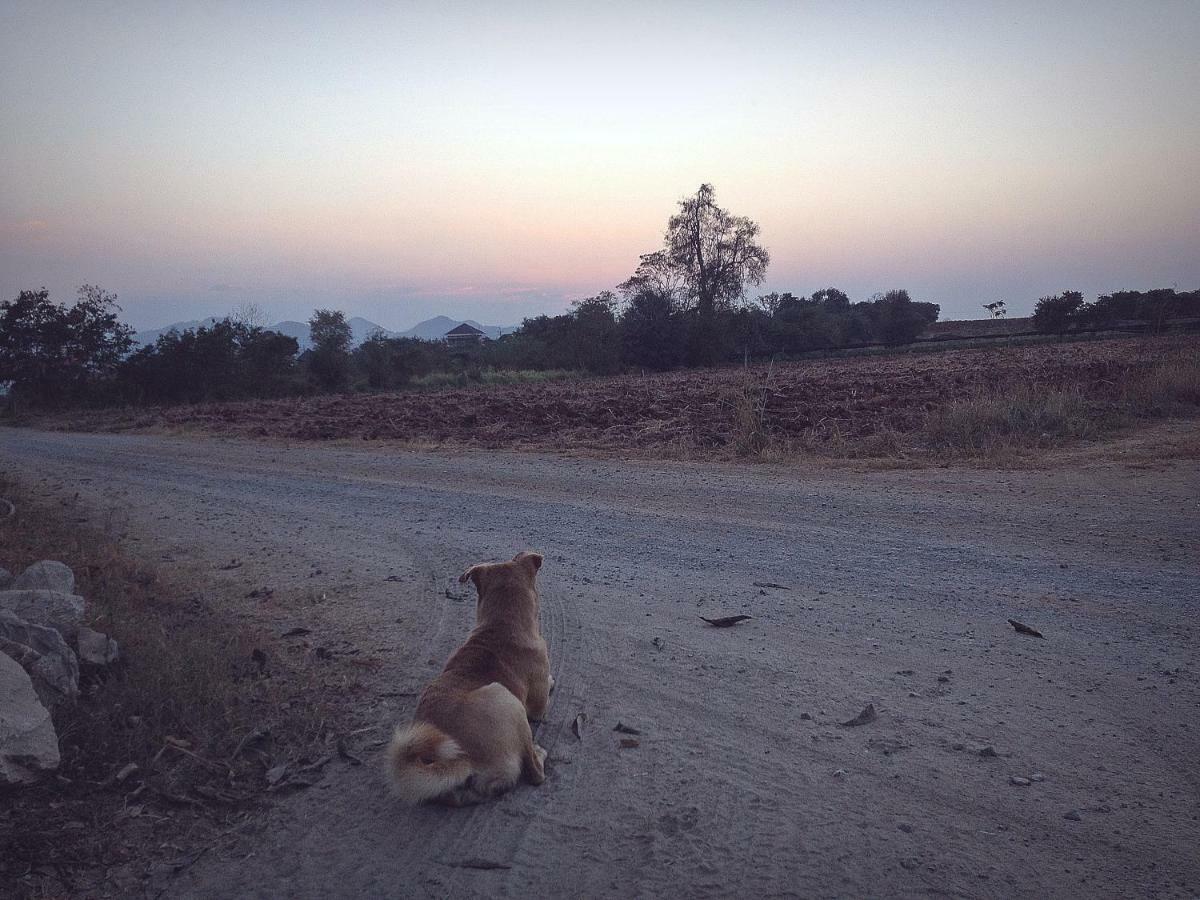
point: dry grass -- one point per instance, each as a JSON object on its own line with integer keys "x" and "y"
{"x": 1025, "y": 417}
{"x": 193, "y": 684}
{"x": 1000, "y": 422}
{"x": 1006, "y": 422}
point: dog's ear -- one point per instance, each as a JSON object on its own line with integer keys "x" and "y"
{"x": 530, "y": 558}
{"x": 473, "y": 573}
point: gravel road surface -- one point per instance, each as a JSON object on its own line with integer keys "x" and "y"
{"x": 998, "y": 764}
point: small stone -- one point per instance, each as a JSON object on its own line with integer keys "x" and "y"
{"x": 805, "y": 717}
{"x": 1037, "y": 776}
{"x": 988, "y": 752}
{"x": 943, "y": 679}
{"x": 95, "y": 648}
{"x": 1073, "y": 816}
{"x": 840, "y": 773}
{"x": 905, "y": 827}
{"x": 958, "y": 746}
{"x": 1019, "y": 781}
{"x": 47, "y": 575}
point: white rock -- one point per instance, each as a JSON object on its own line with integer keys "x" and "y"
{"x": 47, "y": 575}
{"x": 28, "y": 743}
{"x": 61, "y": 611}
{"x": 95, "y": 648}
{"x": 42, "y": 653}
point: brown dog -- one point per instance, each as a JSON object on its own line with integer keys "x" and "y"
{"x": 470, "y": 738}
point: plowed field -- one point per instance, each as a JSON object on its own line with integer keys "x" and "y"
{"x": 802, "y": 404}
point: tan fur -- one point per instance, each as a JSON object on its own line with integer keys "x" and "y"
{"x": 470, "y": 737}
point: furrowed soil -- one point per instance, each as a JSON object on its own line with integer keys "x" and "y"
{"x": 830, "y": 407}
{"x": 997, "y": 765}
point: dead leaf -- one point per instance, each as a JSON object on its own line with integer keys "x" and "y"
{"x": 276, "y": 773}
{"x": 771, "y": 584}
{"x": 867, "y": 715}
{"x": 625, "y": 729}
{"x": 1022, "y": 628}
{"x": 630, "y": 743}
{"x": 296, "y": 632}
{"x": 476, "y": 863}
{"x": 345, "y": 753}
{"x": 577, "y": 725}
{"x": 725, "y": 621}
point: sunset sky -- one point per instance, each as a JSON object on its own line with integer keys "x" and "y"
{"x": 494, "y": 161}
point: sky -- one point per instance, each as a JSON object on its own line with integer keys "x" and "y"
{"x": 496, "y": 161}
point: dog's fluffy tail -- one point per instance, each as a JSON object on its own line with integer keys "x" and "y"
{"x": 423, "y": 762}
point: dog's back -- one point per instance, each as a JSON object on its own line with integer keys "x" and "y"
{"x": 470, "y": 736}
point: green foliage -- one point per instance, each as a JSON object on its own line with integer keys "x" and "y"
{"x": 896, "y": 319}
{"x": 328, "y": 362}
{"x": 390, "y": 363}
{"x": 1056, "y": 315}
{"x": 652, "y": 334}
{"x": 51, "y": 353}
{"x": 226, "y": 361}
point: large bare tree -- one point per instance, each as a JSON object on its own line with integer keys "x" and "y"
{"x": 717, "y": 252}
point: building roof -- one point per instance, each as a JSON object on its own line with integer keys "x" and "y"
{"x": 464, "y": 329}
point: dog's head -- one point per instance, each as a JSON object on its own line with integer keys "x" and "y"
{"x": 503, "y": 584}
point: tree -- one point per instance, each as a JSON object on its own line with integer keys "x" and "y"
{"x": 652, "y": 333}
{"x": 897, "y": 319}
{"x": 657, "y": 274}
{"x": 997, "y": 309}
{"x": 329, "y": 359}
{"x": 716, "y": 252}
{"x": 50, "y": 352}
{"x": 597, "y": 337}
{"x": 1055, "y": 315}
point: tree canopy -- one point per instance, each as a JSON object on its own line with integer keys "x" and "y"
{"x": 716, "y": 253}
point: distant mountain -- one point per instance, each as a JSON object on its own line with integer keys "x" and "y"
{"x": 360, "y": 329}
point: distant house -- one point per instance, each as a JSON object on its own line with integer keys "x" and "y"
{"x": 464, "y": 336}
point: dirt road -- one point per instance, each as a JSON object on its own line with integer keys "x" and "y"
{"x": 884, "y": 588}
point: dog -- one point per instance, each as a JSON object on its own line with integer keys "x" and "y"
{"x": 470, "y": 739}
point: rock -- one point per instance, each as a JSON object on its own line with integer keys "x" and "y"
{"x": 1019, "y": 781}
{"x": 61, "y": 611}
{"x": 28, "y": 743}
{"x": 1073, "y": 816}
{"x": 47, "y": 575}
{"x": 1037, "y": 776}
{"x": 988, "y": 752}
{"x": 6, "y": 578}
{"x": 42, "y": 652}
{"x": 96, "y": 649}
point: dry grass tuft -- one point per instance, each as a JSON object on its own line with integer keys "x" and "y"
{"x": 1001, "y": 422}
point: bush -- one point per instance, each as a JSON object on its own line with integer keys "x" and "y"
{"x": 1056, "y": 315}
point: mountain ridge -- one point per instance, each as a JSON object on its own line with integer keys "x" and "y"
{"x": 361, "y": 329}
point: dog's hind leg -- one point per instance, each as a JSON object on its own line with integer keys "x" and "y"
{"x": 538, "y": 698}
{"x": 533, "y": 762}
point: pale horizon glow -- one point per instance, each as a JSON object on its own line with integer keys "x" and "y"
{"x": 494, "y": 163}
